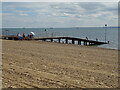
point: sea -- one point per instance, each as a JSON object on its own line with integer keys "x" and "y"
{"x": 92, "y": 33}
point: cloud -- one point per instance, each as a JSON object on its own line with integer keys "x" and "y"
{"x": 58, "y": 14}
{"x": 23, "y": 14}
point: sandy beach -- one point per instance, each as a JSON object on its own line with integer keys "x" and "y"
{"x": 38, "y": 64}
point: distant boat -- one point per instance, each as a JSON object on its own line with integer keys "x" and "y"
{"x": 51, "y": 27}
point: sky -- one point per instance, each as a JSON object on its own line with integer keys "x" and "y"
{"x": 60, "y": 0}
{"x": 59, "y": 14}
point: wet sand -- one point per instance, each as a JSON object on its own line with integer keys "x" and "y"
{"x": 37, "y": 64}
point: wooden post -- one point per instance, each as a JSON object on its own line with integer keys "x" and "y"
{"x": 72, "y": 41}
{"x": 84, "y": 42}
{"x": 59, "y": 40}
{"x": 79, "y": 42}
{"x": 66, "y": 41}
{"x": 51, "y": 40}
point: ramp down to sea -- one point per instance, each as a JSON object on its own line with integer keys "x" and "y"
{"x": 67, "y": 39}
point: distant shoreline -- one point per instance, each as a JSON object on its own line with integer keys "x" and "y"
{"x": 62, "y": 27}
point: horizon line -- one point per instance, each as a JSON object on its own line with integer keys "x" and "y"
{"x": 60, "y": 27}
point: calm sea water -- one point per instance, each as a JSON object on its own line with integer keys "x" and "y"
{"x": 92, "y": 33}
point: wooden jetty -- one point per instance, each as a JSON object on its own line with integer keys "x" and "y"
{"x": 67, "y": 39}
{"x": 73, "y": 39}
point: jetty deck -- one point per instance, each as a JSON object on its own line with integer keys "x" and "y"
{"x": 67, "y": 39}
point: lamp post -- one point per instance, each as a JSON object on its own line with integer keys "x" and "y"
{"x": 105, "y": 32}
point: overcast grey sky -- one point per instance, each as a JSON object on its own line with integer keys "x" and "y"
{"x": 66, "y": 14}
